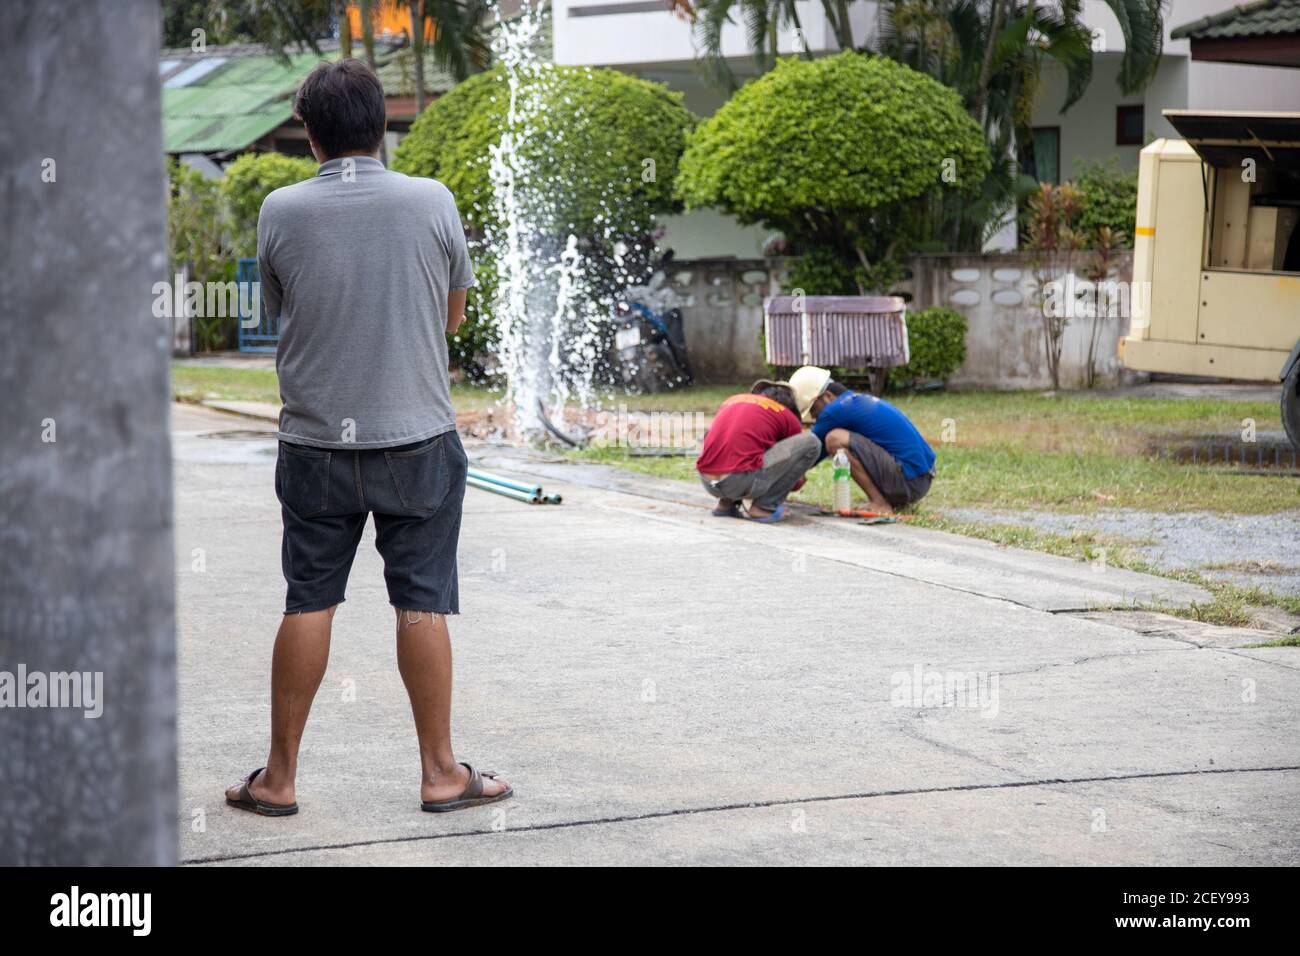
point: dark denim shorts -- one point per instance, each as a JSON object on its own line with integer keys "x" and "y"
{"x": 415, "y": 492}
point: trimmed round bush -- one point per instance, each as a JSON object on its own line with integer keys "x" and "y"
{"x": 605, "y": 143}
{"x": 835, "y": 153}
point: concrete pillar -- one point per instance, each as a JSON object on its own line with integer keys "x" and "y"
{"x": 86, "y": 562}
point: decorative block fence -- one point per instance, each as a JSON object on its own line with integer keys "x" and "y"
{"x": 1004, "y": 336}
{"x": 723, "y": 306}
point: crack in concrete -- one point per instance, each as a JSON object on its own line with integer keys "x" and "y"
{"x": 917, "y": 733}
{"x": 1096, "y": 657}
{"x": 753, "y": 805}
{"x": 1236, "y": 652}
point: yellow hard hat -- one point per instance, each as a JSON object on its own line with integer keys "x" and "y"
{"x": 807, "y": 383}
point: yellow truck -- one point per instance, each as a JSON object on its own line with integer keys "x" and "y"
{"x": 1216, "y": 262}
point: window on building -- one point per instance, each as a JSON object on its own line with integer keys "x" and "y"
{"x": 1041, "y": 156}
{"x": 1130, "y": 125}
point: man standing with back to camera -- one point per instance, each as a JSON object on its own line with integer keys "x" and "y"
{"x": 367, "y": 271}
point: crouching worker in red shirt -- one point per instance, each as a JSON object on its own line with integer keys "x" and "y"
{"x": 756, "y": 449}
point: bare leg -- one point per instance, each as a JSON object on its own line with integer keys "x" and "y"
{"x": 837, "y": 440}
{"x": 424, "y": 661}
{"x": 302, "y": 649}
{"x": 878, "y": 501}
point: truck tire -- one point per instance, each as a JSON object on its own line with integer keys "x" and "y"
{"x": 1291, "y": 405}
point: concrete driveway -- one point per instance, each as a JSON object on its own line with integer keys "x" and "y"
{"x": 661, "y": 686}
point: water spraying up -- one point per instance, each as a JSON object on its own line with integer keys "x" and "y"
{"x": 547, "y": 305}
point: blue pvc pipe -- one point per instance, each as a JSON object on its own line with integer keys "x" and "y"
{"x": 487, "y": 476}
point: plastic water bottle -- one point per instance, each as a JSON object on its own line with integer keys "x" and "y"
{"x": 840, "y": 481}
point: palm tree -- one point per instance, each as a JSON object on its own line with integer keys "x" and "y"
{"x": 763, "y": 19}
{"x": 459, "y": 39}
{"x": 992, "y": 52}
{"x": 935, "y": 29}
{"x": 991, "y": 49}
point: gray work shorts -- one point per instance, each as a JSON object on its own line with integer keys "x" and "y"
{"x": 887, "y": 474}
{"x": 783, "y": 465}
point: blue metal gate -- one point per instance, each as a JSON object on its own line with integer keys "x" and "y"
{"x": 264, "y": 335}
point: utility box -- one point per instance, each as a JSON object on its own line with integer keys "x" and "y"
{"x": 1216, "y": 255}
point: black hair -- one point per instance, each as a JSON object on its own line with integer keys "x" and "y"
{"x": 342, "y": 106}
{"x": 835, "y": 388}
{"x": 782, "y": 394}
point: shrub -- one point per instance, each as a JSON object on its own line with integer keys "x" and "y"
{"x": 1055, "y": 241}
{"x": 197, "y": 224}
{"x": 603, "y": 152}
{"x": 197, "y": 240}
{"x": 819, "y": 271}
{"x": 1107, "y": 197}
{"x": 838, "y": 154}
{"x": 477, "y": 336}
{"x": 594, "y": 132}
{"x": 249, "y": 179}
{"x": 936, "y": 340}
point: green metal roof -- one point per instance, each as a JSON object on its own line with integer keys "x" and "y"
{"x": 228, "y": 97}
{"x": 232, "y": 105}
{"x": 1257, "y": 19}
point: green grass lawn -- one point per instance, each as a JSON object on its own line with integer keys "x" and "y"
{"x": 192, "y": 383}
{"x": 195, "y": 383}
{"x": 1008, "y": 450}
{"x": 1027, "y": 450}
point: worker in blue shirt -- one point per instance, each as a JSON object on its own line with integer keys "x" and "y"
{"x": 888, "y": 458}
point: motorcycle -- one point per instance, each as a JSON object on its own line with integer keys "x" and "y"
{"x": 649, "y": 347}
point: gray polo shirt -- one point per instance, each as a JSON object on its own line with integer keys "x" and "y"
{"x": 357, "y": 263}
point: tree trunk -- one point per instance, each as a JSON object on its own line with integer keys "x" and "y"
{"x": 837, "y": 13}
{"x": 367, "y": 32}
{"x": 997, "y": 14}
{"x": 368, "y": 42}
{"x": 345, "y": 32}
{"x": 417, "y": 48}
{"x": 844, "y": 29}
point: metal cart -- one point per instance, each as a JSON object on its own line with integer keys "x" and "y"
{"x": 865, "y": 336}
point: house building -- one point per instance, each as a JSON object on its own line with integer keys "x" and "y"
{"x": 1107, "y": 123}
{"x": 648, "y": 38}
{"x": 228, "y": 100}
{"x": 1263, "y": 33}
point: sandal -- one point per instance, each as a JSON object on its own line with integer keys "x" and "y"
{"x": 471, "y": 796}
{"x": 246, "y": 801}
{"x": 773, "y": 518}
